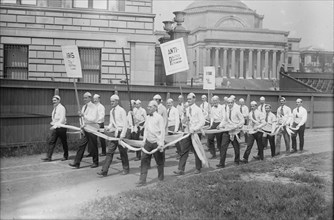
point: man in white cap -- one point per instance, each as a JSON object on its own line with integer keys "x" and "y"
{"x": 256, "y": 122}
{"x": 270, "y": 120}
{"x": 100, "y": 121}
{"x": 58, "y": 116}
{"x": 154, "y": 137}
{"x": 195, "y": 121}
{"x": 244, "y": 111}
{"x": 89, "y": 116}
{"x": 161, "y": 108}
{"x": 284, "y": 117}
{"x": 117, "y": 124}
{"x": 225, "y": 104}
{"x": 299, "y": 118}
{"x": 139, "y": 118}
{"x": 180, "y": 108}
{"x": 234, "y": 119}
{"x": 262, "y": 105}
{"x": 205, "y": 106}
{"x": 216, "y": 116}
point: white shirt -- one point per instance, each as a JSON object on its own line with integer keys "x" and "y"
{"x": 258, "y": 117}
{"x": 286, "y": 117}
{"x": 244, "y": 110}
{"x": 90, "y": 113}
{"x": 163, "y": 112}
{"x": 205, "y": 109}
{"x": 195, "y": 116}
{"x": 217, "y": 114}
{"x": 262, "y": 108}
{"x": 118, "y": 120}
{"x": 270, "y": 119}
{"x": 299, "y": 115}
{"x": 180, "y": 108}
{"x": 173, "y": 118}
{"x": 101, "y": 112}
{"x": 234, "y": 116}
{"x": 139, "y": 115}
{"x": 154, "y": 129}
{"x": 58, "y": 115}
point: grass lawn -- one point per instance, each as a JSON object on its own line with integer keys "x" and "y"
{"x": 295, "y": 187}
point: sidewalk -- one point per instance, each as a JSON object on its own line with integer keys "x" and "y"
{"x": 34, "y": 189}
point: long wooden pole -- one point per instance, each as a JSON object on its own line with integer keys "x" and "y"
{"x": 127, "y": 84}
{"x": 78, "y": 103}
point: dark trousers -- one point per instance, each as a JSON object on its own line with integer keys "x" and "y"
{"x": 103, "y": 141}
{"x": 146, "y": 161}
{"x": 54, "y": 135}
{"x": 134, "y": 136}
{"x": 251, "y": 137}
{"x": 300, "y": 133}
{"x": 90, "y": 140}
{"x": 211, "y": 139}
{"x": 226, "y": 142}
{"x": 177, "y": 145}
{"x": 271, "y": 142}
{"x": 186, "y": 146}
{"x": 110, "y": 154}
{"x": 286, "y": 137}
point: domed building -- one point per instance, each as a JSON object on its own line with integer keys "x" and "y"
{"x": 228, "y": 35}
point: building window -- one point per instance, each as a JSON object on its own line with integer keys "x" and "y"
{"x": 55, "y": 3}
{"x": 314, "y": 58}
{"x": 16, "y": 61}
{"x": 111, "y": 5}
{"x": 289, "y": 47}
{"x": 289, "y": 60}
{"x": 19, "y": 2}
{"x": 90, "y": 65}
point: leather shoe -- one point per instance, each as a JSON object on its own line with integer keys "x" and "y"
{"x": 101, "y": 173}
{"x": 256, "y": 157}
{"x": 293, "y": 151}
{"x": 179, "y": 172}
{"x": 197, "y": 172}
{"x": 140, "y": 184}
{"x": 219, "y": 166}
{"x": 244, "y": 161}
{"x": 94, "y": 165}
{"x": 46, "y": 159}
{"x": 118, "y": 158}
{"x": 125, "y": 172}
{"x": 64, "y": 158}
{"x": 74, "y": 165}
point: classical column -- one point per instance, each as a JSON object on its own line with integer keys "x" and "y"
{"x": 281, "y": 61}
{"x": 225, "y": 63}
{"x": 266, "y": 65}
{"x": 250, "y": 64}
{"x": 198, "y": 70}
{"x": 273, "y": 76}
{"x": 241, "y": 76}
{"x": 258, "y": 64}
{"x": 217, "y": 60}
{"x": 233, "y": 73}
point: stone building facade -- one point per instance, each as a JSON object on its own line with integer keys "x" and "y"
{"x": 33, "y": 31}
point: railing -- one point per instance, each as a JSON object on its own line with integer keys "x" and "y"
{"x": 26, "y": 105}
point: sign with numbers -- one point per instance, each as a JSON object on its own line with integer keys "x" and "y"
{"x": 72, "y": 61}
{"x": 209, "y": 77}
{"x": 174, "y": 56}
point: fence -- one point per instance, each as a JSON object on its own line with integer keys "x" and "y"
{"x": 26, "y": 105}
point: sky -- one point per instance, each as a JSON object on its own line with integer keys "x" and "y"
{"x": 311, "y": 20}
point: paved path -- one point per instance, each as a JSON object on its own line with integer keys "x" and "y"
{"x": 34, "y": 189}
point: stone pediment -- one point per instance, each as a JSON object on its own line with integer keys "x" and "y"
{"x": 230, "y": 22}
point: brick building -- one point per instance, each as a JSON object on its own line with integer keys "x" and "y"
{"x": 33, "y": 31}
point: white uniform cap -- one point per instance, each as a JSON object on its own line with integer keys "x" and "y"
{"x": 262, "y": 98}
{"x": 57, "y": 97}
{"x": 230, "y": 99}
{"x": 233, "y": 97}
{"x": 133, "y": 102}
{"x": 87, "y": 94}
{"x": 180, "y": 96}
{"x": 241, "y": 100}
{"x": 170, "y": 100}
{"x": 157, "y": 96}
{"x": 282, "y": 99}
{"x": 192, "y": 95}
{"x": 96, "y": 96}
{"x": 225, "y": 98}
{"x": 253, "y": 103}
{"x": 114, "y": 97}
{"x": 215, "y": 97}
{"x": 203, "y": 96}
{"x": 138, "y": 101}
{"x": 154, "y": 103}
{"x": 299, "y": 100}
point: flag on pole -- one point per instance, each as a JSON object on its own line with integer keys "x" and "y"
{"x": 174, "y": 56}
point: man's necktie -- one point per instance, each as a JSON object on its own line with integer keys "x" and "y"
{"x": 262, "y": 108}
{"x": 282, "y": 112}
{"x": 190, "y": 111}
{"x": 54, "y": 112}
{"x": 230, "y": 115}
{"x": 253, "y": 115}
{"x": 298, "y": 109}
{"x": 168, "y": 113}
{"x": 113, "y": 114}
{"x": 267, "y": 116}
{"x": 241, "y": 109}
{"x": 85, "y": 108}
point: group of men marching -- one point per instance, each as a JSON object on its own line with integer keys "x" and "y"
{"x": 225, "y": 122}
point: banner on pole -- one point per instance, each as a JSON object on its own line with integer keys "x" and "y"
{"x": 209, "y": 77}
{"x": 174, "y": 56}
{"x": 72, "y": 61}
